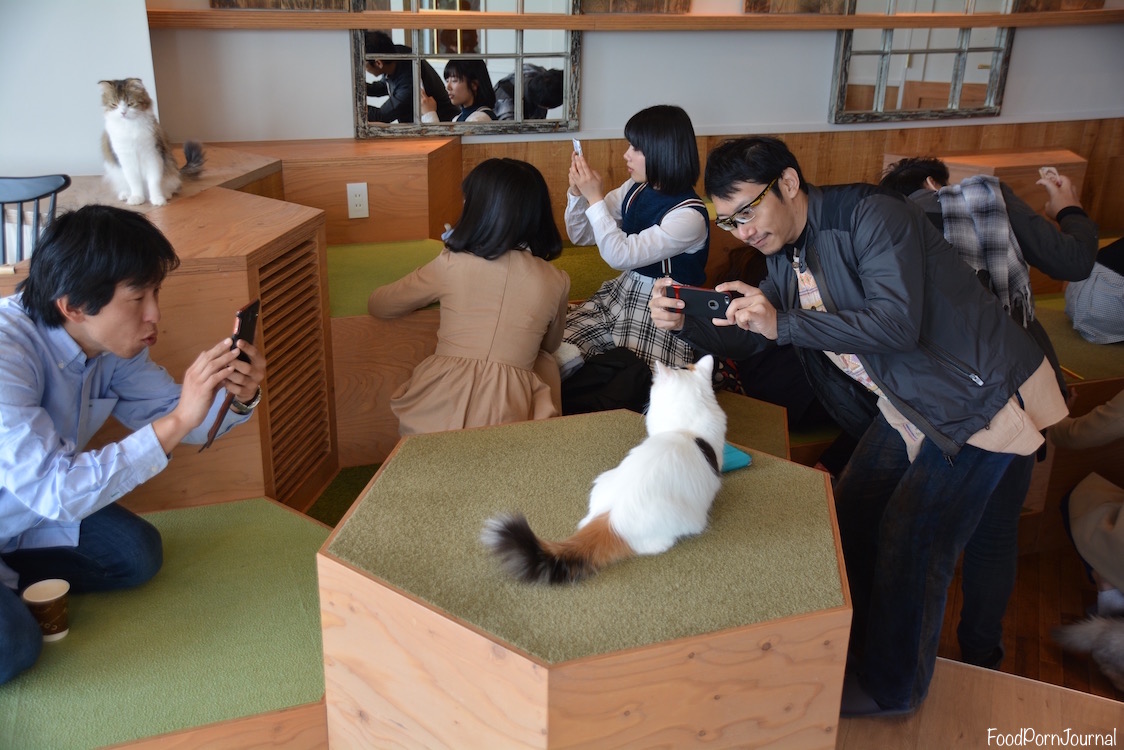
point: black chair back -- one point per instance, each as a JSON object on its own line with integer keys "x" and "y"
{"x": 17, "y": 191}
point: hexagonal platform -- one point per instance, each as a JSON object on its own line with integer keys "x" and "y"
{"x": 736, "y": 637}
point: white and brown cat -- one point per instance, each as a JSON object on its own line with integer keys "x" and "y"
{"x": 1100, "y": 637}
{"x": 661, "y": 491}
{"x": 139, "y": 163}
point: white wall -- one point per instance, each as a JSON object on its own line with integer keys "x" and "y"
{"x": 52, "y": 55}
{"x": 730, "y": 82}
{"x": 256, "y": 85}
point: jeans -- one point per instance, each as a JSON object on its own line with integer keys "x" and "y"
{"x": 116, "y": 549}
{"x": 903, "y": 526}
{"x": 989, "y": 568}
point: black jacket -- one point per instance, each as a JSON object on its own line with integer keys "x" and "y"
{"x": 1067, "y": 254}
{"x": 399, "y": 87}
{"x": 937, "y": 344}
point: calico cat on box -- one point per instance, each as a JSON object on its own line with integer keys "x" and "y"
{"x": 660, "y": 492}
{"x": 138, "y": 160}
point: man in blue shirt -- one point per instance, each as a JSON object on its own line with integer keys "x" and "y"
{"x": 75, "y": 342}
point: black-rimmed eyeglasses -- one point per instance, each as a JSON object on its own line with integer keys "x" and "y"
{"x": 745, "y": 214}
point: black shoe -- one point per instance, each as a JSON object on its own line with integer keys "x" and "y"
{"x": 856, "y": 702}
{"x": 989, "y": 660}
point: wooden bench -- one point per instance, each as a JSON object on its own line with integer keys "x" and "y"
{"x": 427, "y": 643}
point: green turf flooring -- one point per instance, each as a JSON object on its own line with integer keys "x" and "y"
{"x": 354, "y": 270}
{"x": 334, "y": 501}
{"x": 230, "y": 627}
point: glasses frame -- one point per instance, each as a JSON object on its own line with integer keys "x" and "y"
{"x": 736, "y": 219}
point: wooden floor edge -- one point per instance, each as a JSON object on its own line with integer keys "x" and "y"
{"x": 303, "y": 727}
{"x": 968, "y": 706}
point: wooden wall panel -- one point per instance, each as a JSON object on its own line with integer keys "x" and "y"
{"x": 856, "y": 155}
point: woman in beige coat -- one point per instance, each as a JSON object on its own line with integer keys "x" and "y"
{"x": 503, "y": 309}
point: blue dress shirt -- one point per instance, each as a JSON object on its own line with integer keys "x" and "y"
{"x": 52, "y": 401}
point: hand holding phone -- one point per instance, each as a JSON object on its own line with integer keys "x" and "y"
{"x": 700, "y": 302}
{"x": 245, "y": 325}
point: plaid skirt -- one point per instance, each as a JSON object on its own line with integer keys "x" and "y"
{"x": 617, "y": 315}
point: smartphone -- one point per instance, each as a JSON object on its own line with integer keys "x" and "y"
{"x": 1048, "y": 173}
{"x": 245, "y": 325}
{"x": 700, "y": 302}
{"x": 577, "y": 147}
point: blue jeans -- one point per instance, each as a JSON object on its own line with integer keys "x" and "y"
{"x": 903, "y": 526}
{"x": 116, "y": 549}
{"x": 989, "y": 567}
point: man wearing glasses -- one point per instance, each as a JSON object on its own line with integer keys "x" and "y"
{"x": 909, "y": 353}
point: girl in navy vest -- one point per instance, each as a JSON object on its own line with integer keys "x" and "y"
{"x": 651, "y": 226}
{"x": 470, "y": 88}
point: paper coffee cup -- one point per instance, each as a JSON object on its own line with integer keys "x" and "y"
{"x": 47, "y": 600}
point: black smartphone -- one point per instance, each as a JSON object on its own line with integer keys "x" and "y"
{"x": 245, "y": 325}
{"x": 700, "y": 302}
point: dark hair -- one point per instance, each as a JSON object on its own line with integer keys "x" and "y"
{"x": 473, "y": 71}
{"x": 665, "y": 136}
{"x": 83, "y": 255}
{"x": 908, "y": 175}
{"x": 544, "y": 88}
{"x": 506, "y": 206}
{"x": 378, "y": 43}
{"x": 756, "y": 159}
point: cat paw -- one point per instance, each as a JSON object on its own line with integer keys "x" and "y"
{"x": 158, "y": 200}
{"x": 123, "y": 196}
{"x": 135, "y": 200}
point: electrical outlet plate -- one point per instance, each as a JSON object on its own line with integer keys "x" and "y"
{"x": 357, "y": 200}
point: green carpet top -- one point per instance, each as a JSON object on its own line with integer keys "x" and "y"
{"x": 769, "y": 552}
{"x": 1083, "y": 359}
{"x": 355, "y": 270}
{"x": 230, "y": 627}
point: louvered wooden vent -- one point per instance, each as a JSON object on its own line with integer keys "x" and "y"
{"x": 297, "y": 383}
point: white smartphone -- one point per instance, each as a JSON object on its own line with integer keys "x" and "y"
{"x": 577, "y": 147}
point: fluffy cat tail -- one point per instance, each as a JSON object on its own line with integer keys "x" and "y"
{"x": 193, "y": 153}
{"x": 1083, "y": 636}
{"x": 525, "y": 556}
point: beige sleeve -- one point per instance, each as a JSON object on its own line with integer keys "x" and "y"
{"x": 1101, "y": 426}
{"x": 419, "y": 288}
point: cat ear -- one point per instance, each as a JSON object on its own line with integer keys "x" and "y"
{"x": 705, "y": 366}
{"x": 660, "y": 370}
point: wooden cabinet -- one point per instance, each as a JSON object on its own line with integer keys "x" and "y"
{"x": 235, "y": 247}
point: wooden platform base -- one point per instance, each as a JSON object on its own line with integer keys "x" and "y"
{"x": 736, "y": 638}
{"x": 297, "y": 728}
